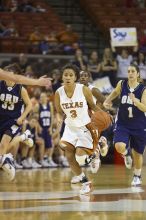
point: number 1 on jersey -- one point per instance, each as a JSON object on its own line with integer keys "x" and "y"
{"x": 130, "y": 112}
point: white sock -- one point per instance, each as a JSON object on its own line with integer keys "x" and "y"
{"x": 137, "y": 172}
{"x": 23, "y": 137}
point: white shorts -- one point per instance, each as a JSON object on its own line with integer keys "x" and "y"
{"x": 80, "y": 137}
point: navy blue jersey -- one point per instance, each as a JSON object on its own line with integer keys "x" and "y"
{"x": 10, "y": 101}
{"x": 45, "y": 115}
{"x": 129, "y": 115}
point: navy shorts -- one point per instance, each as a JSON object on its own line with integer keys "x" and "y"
{"x": 10, "y": 128}
{"x": 47, "y": 138}
{"x": 134, "y": 138}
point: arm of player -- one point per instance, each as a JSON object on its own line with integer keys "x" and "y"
{"x": 98, "y": 95}
{"x": 141, "y": 105}
{"x": 42, "y": 81}
{"x": 52, "y": 117}
{"x": 59, "y": 114}
{"x": 89, "y": 98}
{"x": 28, "y": 105}
{"x": 115, "y": 93}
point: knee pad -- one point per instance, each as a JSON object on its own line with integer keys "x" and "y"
{"x": 81, "y": 159}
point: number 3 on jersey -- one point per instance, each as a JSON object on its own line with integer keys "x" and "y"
{"x": 130, "y": 115}
{"x": 73, "y": 113}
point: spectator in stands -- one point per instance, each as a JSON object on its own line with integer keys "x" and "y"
{"x": 2, "y": 28}
{"x": 8, "y": 31}
{"x": 109, "y": 66}
{"x": 141, "y": 63}
{"x": 67, "y": 38}
{"x": 142, "y": 41}
{"x": 49, "y": 43}
{"x": 79, "y": 60}
{"x": 124, "y": 60}
{"x": 26, "y": 6}
{"x": 56, "y": 82}
{"x": 23, "y": 61}
{"x": 94, "y": 66}
{"x": 35, "y": 39}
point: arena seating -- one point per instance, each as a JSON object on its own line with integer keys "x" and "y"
{"x": 25, "y": 23}
{"x": 112, "y": 13}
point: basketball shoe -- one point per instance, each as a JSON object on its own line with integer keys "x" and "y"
{"x": 8, "y": 166}
{"x": 128, "y": 161}
{"x": 26, "y": 137}
{"x": 95, "y": 164}
{"x": 136, "y": 181}
{"x": 103, "y": 146}
{"x": 86, "y": 188}
{"x": 78, "y": 179}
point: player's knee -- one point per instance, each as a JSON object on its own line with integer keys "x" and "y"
{"x": 120, "y": 147}
{"x": 81, "y": 159}
{"x": 62, "y": 145}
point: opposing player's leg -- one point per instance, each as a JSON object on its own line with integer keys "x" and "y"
{"x": 121, "y": 141}
{"x": 138, "y": 143}
{"x": 7, "y": 161}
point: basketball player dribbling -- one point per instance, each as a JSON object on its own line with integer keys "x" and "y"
{"x": 80, "y": 138}
{"x": 130, "y": 130}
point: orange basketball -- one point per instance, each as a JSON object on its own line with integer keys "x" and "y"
{"x": 101, "y": 120}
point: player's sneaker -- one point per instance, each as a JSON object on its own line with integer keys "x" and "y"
{"x": 27, "y": 138}
{"x": 90, "y": 158}
{"x": 35, "y": 165}
{"x": 26, "y": 164}
{"x": 8, "y": 166}
{"x": 76, "y": 179}
{"x": 17, "y": 165}
{"x": 128, "y": 161}
{"x": 103, "y": 146}
{"x": 86, "y": 188}
{"x": 95, "y": 164}
{"x": 44, "y": 163}
{"x": 136, "y": 181}
{"x": 52, "y": 163}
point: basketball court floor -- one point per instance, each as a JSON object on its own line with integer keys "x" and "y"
{"x": 47, "y": 194}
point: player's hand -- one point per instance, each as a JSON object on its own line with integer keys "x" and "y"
{"x": 107, "y": 105}
{"x": 20, "y": 121}
{"x": 133, "y": 98}
{"x": 44, "y": 81}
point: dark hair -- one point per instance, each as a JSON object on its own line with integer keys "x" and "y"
{"x": 137, "y": 69}
{"x": 85, "y": 71}
{"x": 14, "y": 67}
{"x": 72, "y": 67}
{"x": 135, "y": 66}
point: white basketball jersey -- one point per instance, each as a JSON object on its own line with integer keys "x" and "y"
{"x": 75, "y": 108}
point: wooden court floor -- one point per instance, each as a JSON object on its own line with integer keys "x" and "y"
{"x": 47, "y": 194}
